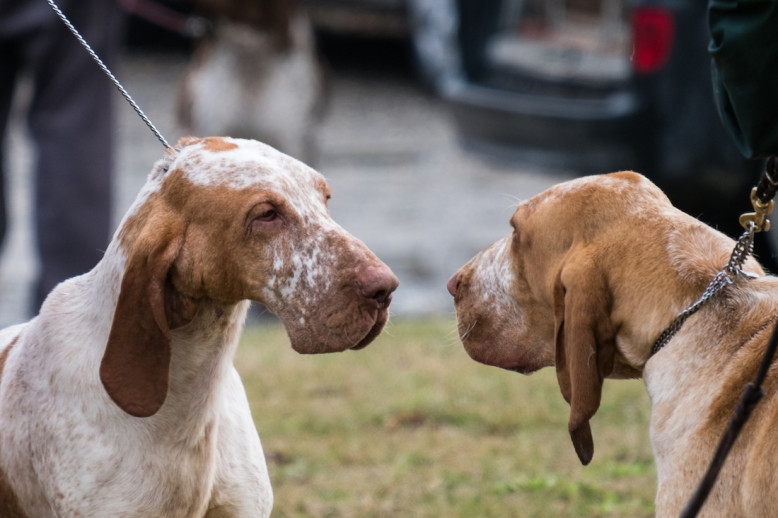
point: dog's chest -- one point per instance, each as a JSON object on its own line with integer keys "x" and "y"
{"x": 103, "y": 462}
{"x": 120, "y": 479}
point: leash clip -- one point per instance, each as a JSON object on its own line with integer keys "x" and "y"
{"x": 759, "y": 216}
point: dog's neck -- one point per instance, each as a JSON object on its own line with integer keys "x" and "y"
{"x": 645, "y": 305}
{"x": 203, "y": 352}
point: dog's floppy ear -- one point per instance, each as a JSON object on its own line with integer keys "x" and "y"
{"x": 136, "y": 363}
{"x": 585, "y": 345}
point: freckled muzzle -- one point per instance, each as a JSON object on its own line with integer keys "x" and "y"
{"x": 345, "y": 304}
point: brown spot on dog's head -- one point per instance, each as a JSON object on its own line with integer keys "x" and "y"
{"x": 218, "y": 144}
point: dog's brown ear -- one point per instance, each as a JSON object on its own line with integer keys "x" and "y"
{"x": 136, "y": 363}
{"x": 585, "y": 346}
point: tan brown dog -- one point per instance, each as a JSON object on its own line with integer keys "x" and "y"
{"x": 594, "y": 271}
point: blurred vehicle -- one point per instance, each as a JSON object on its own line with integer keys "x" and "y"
{"x": 597, "y": 86}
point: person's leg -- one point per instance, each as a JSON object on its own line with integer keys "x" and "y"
{"x": 71, "y": 121}
{"x": 8, "y": 69}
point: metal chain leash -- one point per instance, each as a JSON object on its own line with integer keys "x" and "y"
{"x": 762, "y": 201}
{"x": 105, "y": 69}
{"x": 727, "y": 276}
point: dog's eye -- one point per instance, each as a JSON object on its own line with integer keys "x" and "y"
{"x": 263, "y": 217}
{"x": 267, "y": 216}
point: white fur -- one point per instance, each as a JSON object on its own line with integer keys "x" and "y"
{"x": 496, "y": 279}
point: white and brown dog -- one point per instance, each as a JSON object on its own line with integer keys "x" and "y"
{"x": 120, "y": 398}
{"x": 257, "y": 76}
{"x": 593, "y": 272}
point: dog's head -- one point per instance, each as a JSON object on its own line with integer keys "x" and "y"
{"x": 583, "y": 257}
{"x": 222, "y": 221}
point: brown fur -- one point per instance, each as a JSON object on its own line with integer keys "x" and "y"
{"x": 136, "y": 363}
{"x": 9, "y": 504}
{"x": 217, "y": 144}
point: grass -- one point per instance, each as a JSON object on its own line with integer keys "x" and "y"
{"x": 412, "y": 427}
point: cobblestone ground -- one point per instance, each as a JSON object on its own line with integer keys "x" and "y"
{"x": 400, "y": 180}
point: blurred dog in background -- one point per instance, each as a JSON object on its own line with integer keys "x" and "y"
{"x": 256, "y": 75}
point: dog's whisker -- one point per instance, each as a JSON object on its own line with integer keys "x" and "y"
{"x": 515, "y": 200}
{"x": 465, "y": 334}
{"x": 389, "y": 328}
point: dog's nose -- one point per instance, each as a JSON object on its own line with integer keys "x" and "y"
{"x": 453, "y": 284}
{"x": 377, "y": 283}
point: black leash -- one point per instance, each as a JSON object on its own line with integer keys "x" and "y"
{"x": 761, "y": 198}
{"x": 768, "y": 183}
{"x": 746, "y": 404}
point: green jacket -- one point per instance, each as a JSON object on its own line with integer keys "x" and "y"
{"x": 744, "y": 47}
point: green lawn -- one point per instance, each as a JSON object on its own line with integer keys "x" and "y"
{"x": 412, "y": 427}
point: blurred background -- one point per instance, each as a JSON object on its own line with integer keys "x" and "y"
{"x": 431, "y": 119}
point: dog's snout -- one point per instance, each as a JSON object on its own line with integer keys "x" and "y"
{"x": 453, "y": 284}
{"x": 377, "y": 283}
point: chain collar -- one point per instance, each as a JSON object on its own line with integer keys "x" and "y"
{"x": 728, "y": 275}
